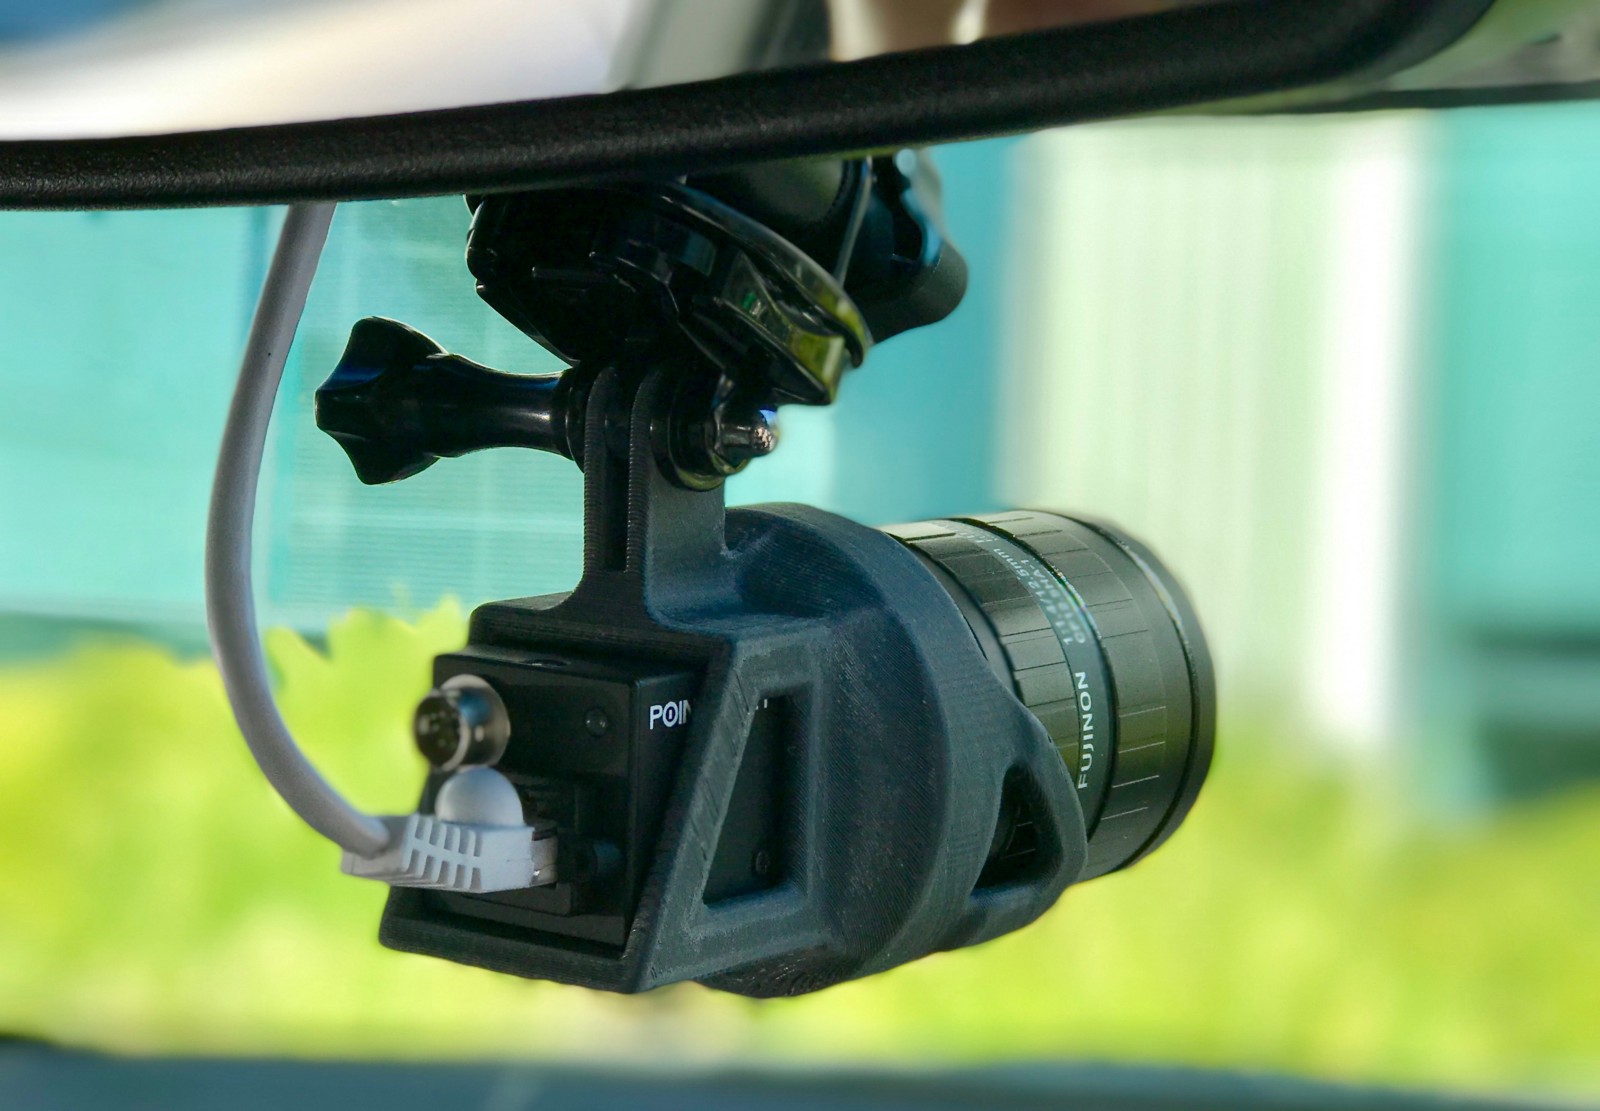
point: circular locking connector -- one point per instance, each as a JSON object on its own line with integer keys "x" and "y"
{"x": 462, "y": 724}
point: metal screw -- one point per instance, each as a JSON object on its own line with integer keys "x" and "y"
{"x": 742, "y": 438}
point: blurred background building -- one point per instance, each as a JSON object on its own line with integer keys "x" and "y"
{"x": 1345, "y": 372}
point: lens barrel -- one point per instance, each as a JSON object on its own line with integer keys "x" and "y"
{"x": 1098, "y": 640}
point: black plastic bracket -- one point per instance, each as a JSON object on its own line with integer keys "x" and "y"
{"x": 895, "y": 744}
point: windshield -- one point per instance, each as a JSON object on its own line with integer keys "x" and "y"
{"x": 1340, "y": 373}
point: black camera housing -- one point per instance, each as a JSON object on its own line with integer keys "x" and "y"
{"x": 844, "y": 766}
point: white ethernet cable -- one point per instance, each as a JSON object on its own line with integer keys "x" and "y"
{"x": 477, "y": 839}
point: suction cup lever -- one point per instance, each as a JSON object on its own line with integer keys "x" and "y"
{"x": 398, "y": 402}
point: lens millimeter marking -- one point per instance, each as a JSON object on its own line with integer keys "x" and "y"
{"x": 1061, "y": 608}
{"x": 1090, "y": 766}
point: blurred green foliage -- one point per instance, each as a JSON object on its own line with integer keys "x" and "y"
{"x": 158, "y": 897}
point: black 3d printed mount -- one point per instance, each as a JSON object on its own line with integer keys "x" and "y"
{"x": 774, "y": 751}
{"x": 884, "y": 778}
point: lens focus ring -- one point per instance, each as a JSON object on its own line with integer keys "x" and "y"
{"x": 1099, "y": 642}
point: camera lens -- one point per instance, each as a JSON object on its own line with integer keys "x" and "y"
{"x": 1098, "y": 640}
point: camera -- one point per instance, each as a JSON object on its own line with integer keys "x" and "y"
{"x": 765, "y": 748}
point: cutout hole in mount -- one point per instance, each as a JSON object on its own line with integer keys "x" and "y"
{"x": 751, "y": 851}
{"x": 1024, "y": 845}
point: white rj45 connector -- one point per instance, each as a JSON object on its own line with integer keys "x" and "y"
{"x": 476, "y": 841}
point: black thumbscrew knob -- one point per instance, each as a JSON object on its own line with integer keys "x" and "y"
{"x": 398, "y": 402}
{"x": 462, "y": 724}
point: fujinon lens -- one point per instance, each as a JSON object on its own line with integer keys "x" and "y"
{"x": 1098, "y": 640}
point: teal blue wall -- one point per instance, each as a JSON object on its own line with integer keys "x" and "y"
{"x": 1508, "y": 585}
{"x": 121, "y": 332}
{"x": 1517, "y": 419}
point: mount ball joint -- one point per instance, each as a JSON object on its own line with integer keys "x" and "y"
{"x": 767, "y": 749}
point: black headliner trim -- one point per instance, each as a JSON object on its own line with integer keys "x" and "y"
{"x": 999, "y": 86}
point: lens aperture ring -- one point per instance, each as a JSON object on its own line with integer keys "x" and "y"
{"x": 1152, "y": 684}
{"x": 1037, "y": 635}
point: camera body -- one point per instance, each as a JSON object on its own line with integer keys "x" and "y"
{"x": 775, "y": 756}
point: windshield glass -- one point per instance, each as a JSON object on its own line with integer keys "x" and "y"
{"x": 1339, "y": 373}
